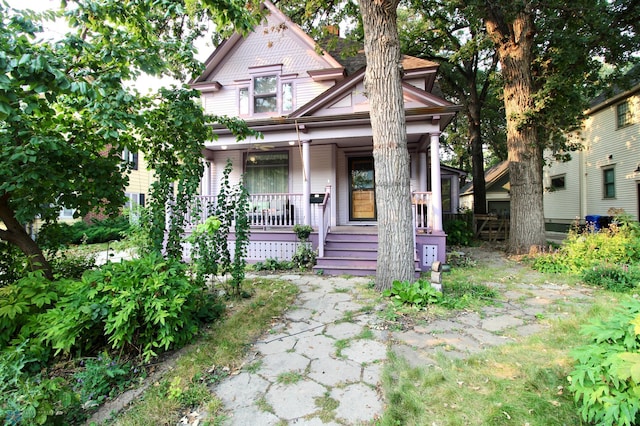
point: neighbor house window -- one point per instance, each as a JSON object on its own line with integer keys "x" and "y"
{"x": 66, "y": 213}
{"x": 557, "y": 182}
{"x": 446, "y": 195}
{"x": 623, "y": 114}
{"x": 609, "y": 182}
{"x": 267, "y": 172}
{"x": 131, "y": 158}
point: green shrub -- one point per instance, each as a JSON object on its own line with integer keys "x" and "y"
{"x": 138, "y": 305}
{"x": 273, "y": 265}
{"x": 305, "y": 257}
{"x": 618, "y": 244}
{"x": 101, "y": 378}
{"x": 606, "y": 378}
{"x": 419, "y": 293}
{"x": 70, "y": 266}
{"x": 21, "y": 302}
{"x": 33, "y": 400}
{"x": 58, "y": 235}
{"x": 612, "y": 277}
{"x": 13, "y": 264}
{"x": 459, "y": 232}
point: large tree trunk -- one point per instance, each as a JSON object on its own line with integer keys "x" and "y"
{"x": 514, "y": 40}
{"x": 383, "y": 83}
{"x": 477, "y": 160}
{"x": 15, "y": 234}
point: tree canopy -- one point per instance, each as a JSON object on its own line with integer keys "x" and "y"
{"x": 66, "y": 112}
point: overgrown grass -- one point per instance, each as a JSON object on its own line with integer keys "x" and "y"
{"x": 515, "y": 384}
{"x": 223, "y": 346}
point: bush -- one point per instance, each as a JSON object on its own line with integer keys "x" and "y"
{"x": 69, "y": 266}
{"x": 612, "y": 277}
{"x": 305, "y": 257}
{"x": 21, "y": 302}
{"x": 142, "y": 305}
{"x": 459, "y": 232}
{"x": 101, "y": 378}
{"x": 58, "y": 235}
{"x": 32, "y": 400}
{"x": 618, "y": 244}
{"x": 13, "y": 264}
{"x": 606, "y": 379}
{"x": 273, "y": 265}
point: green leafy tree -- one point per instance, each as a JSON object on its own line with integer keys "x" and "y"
{"x": 65, "y": 110}
{"x": 438, "y": 30}
{"x": 550, "y": 56}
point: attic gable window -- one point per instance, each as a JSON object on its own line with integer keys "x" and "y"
{"x": 267, "y": 91}
{"x": 265, "y": 94}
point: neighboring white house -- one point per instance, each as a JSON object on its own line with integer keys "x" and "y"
{"x": 315, "y": 164}
{"x": 605, "y": 174}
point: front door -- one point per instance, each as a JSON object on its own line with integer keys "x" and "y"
{"x": 362, "y": 189}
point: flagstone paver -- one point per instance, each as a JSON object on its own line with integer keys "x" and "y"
{"x": 331, "y": 310}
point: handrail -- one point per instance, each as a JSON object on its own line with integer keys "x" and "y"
{"x": 325, "y": 221}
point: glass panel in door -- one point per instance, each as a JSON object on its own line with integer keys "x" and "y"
{"x": 362, "y": 189}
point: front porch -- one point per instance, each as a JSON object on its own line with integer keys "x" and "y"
{"x": 342, "y": 249}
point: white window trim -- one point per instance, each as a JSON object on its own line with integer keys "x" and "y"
{"x": 281, "y": 79}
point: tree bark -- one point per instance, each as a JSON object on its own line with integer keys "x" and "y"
{"x": 15, "y": 234}
{"x": 383, "y": 83}
{"x": 514, "y": 40}
{"x": 477, "y": 159}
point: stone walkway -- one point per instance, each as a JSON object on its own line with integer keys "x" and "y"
{"x": 322, "y": 364}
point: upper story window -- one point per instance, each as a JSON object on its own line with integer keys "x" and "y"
{"x": 131, "y": 158}
{"x": 623, "y": 114}
{"x": 268, "y": 91}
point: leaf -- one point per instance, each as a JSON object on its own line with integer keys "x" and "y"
{"x": 626, "y": 365}
{"x": 636, "y": 323}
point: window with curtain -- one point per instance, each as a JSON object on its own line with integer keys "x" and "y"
{"x": 267, "y": 172}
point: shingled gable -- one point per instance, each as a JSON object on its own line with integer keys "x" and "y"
{"x": 205, "y": 81}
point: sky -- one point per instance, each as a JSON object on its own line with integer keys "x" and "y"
{"x": 59, "y": 28}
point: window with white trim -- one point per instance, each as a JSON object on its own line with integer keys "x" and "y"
{"x": 66, "y": 213}
{"x": 268, "y": 91}
{"x": 623, "y": 114}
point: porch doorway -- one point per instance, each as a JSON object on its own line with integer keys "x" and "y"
{"x": 362, "y": 194}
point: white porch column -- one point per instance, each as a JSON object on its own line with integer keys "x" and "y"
{"x": 306, "y": 182}
{"x": 436, "y": 185}
{"x": 422, "y": 156}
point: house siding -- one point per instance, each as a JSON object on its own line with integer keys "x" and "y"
{"x": 268, "y": 45}
{"x": 605, "y": 145}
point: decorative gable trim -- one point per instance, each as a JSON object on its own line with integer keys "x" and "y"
{"x": 343, "y": 88}
{"x": 207, "y": 86}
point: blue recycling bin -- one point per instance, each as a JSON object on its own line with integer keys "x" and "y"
{"x": 593, "y": 220}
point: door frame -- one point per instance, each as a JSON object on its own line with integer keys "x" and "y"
{"x": 350, "y": 162}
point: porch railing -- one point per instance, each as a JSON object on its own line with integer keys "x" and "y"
{"x": 277, "y": 210}
{"x": 421, "y": 202}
